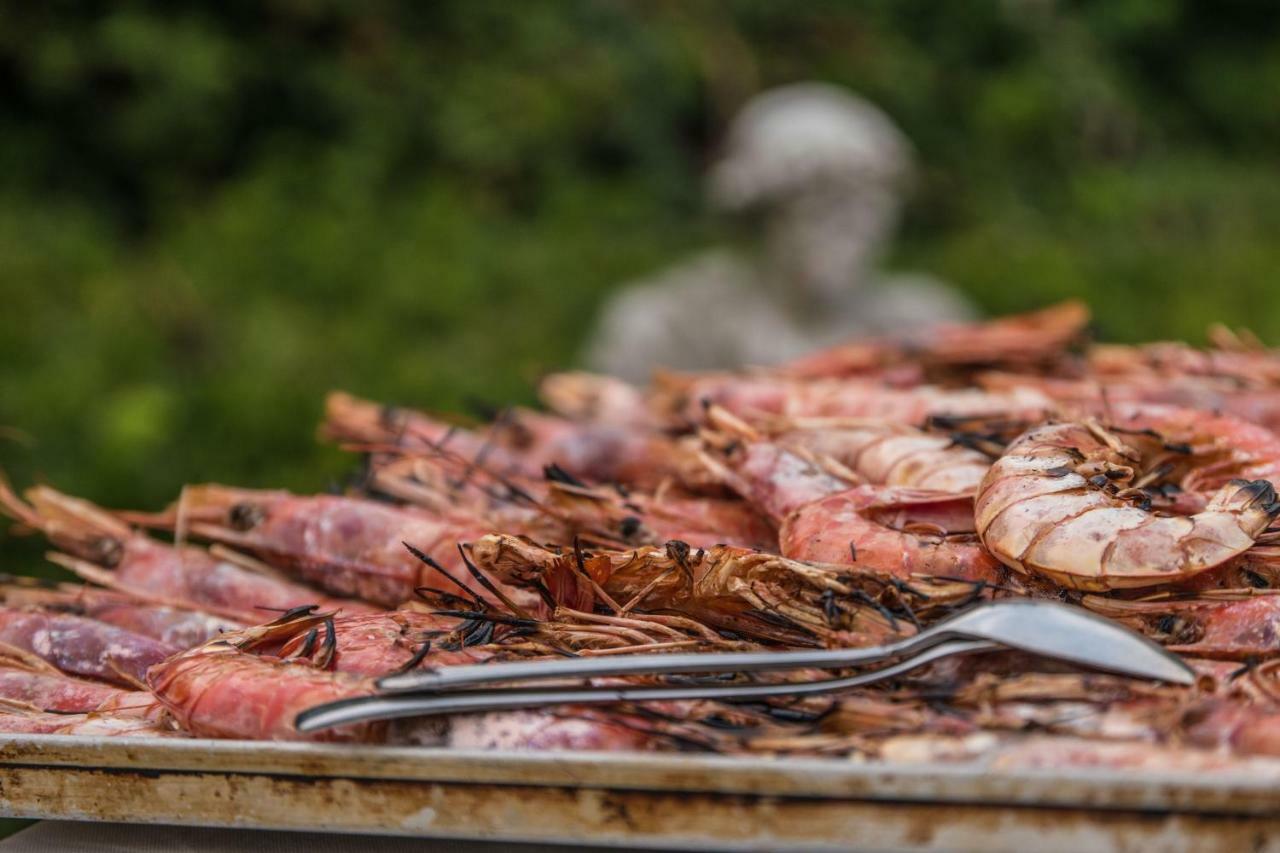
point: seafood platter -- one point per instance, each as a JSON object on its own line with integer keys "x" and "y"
{"x": 991, "y": 585}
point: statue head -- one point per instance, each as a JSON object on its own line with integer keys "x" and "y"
{"x": 825, "y": 171}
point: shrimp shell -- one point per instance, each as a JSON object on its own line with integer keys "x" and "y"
{"x": 1030, "y": 338}
{"x": 1049, "y": 506}
{"x": 44, "y": 687}
{"x": 903, "y": 532}
{"x": 755, "y": 397}
{"x": 895, "y": 455}
{"x": 519, "y": 441}
{"x": 223, "y": 690}
{"x": 104, "y": 550}
{"x": 346, "y": 546}
{"x": 173, "y": 626}
{"x": 82, "y": 646}
{"x": 16, "y": 718}
{"x": 750, "y": 594}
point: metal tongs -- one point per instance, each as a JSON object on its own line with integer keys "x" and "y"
{"x": 1044, "y": 628}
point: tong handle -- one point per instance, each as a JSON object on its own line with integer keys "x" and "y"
{"x": 652, "y": 664}
{"x": 364, "y": 709}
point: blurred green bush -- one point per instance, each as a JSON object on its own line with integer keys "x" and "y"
{"x": 211, "y": 213}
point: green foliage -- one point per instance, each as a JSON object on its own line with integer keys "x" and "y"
{"x": 211, "y": 213}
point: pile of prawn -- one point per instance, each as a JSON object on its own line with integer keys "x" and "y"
{"x": 850, "y": 498}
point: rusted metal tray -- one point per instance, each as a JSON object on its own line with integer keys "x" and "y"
{"x": 643, "y": 800}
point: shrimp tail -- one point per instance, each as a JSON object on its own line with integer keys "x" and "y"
{"x": 14, "y": 507}
{"x": 348, "y": 418}
{"x": 63, "y": 511}
{"x": 1251, "y": 494}
{"x": 72, "y": 524}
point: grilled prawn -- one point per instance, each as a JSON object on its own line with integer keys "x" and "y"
{"x": 224, "y": 690}
{"x": 33, "y": 681}
{"x": 749, "y": 594}
{"x": 1229, "y": 629}
{"x": 867, "y": 451}
{"x": 756, "y": 397}
{"x": 519, "y": 441}
{"x": 19, "y": 718}
{"x": 170, "y": 625}
{"x": 1073, "y": 501}
{"x": 824, "y": 517}
{"x": 1028, "y": 341}
{"x": 558, "y": 507}
{"x": 252, "y": 684}
{"x": 102, "y": 549}
{"x": 346, "y": 546}
{"x": 82, "y": 646}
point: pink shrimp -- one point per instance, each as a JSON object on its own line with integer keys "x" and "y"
{"x": 558, "y": 507}
{"x": 1027, "y": 339}
{"x": 520, "y": 441}
{"x": 82, "y": 646}
{"x": 1097, "y": 395}
{"x": 33, "y": 681}
{"x": 776, "y": 480}
{"x": 824, "y": 518}
{"x": 373, "y": 644}
{"x": 236, "y": 688}
{"x": 18, "y": 719}
{"x": 1221, "y": 447}
{"x": 757, "y": 596}
{"x": 347, "y": 546}
{"x": 636, "y": 518}
{"x": 876, "y": 452}
{"x": 1246, "y": 363}
{"x": 1244, "y": 729}
{"x": 223, "y": 693}
{"x": 595, "y": 398}
{"x": 104, "y": 550}
{"x": 755, "y": 397}
{"x": 1071, "y": 501}
{"x": 173, "y": 626}
{"x": 894, "y": 454}
{"x": 1237, "y": 630}
{"x": 1241, "y": 629}
{"x": 447, "y": 484}
{"x": 901, "y": 531}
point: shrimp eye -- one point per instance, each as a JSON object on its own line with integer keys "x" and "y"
{"x": 1256, "y": 580}
{"x": 244, "y": 516}
{"x": 1178, "y": 629}
{"x": 389, "y": 417}
{"x": 106, "y": 551}
{"x": 1261, "y": 493}
{"x": 678, "y": 551}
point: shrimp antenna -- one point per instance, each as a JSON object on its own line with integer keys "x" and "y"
{"x": 490, "y": 585}
{"x": 475, "y": 597}
{"x": 418, "y": 657}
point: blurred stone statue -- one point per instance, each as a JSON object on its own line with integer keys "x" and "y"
{"x": 824, "y": 172}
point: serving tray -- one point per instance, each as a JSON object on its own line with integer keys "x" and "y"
{"x": 709, "y": 802}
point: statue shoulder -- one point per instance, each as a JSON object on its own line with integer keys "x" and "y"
{"x": 914, "y": 299}
{"x": 709, "y": 274}
{"x": 672, "y": 318}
